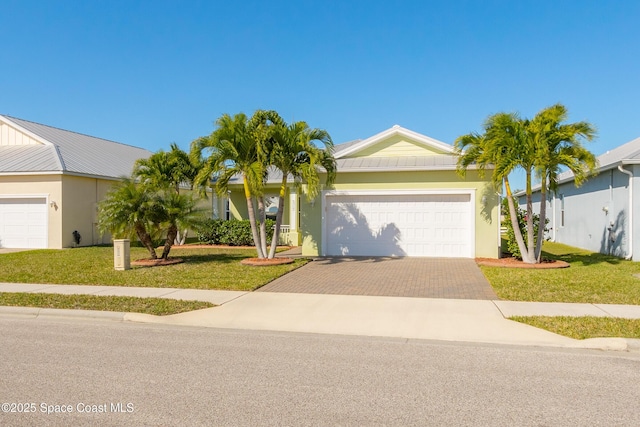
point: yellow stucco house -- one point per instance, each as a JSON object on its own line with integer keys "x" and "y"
{"x": 397, "y": 193}
{"x": 51, "y": 181}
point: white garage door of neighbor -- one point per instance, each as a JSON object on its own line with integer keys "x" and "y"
{"x": 430, "y": 225}
{"x": 23, "y": 223}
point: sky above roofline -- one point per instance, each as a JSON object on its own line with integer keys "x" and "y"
{"x": 149, "y": 73}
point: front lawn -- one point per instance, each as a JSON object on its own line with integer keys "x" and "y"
{"x": 592, "y": 278}
{"x": 207, "y": 268}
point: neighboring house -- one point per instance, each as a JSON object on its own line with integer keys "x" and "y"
{"x": 51, "y": 181}
{"x": 397, "y": 193}
{"x": 600, "y": 215}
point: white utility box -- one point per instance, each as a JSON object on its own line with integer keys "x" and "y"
{"x": 121, "y": 258}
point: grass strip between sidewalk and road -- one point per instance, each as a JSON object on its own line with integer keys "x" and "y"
{"x": 584, "y": 327}
{"x": 155, "y": 306}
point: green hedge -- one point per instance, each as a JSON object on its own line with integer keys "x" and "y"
{"x": 232, "y": 233}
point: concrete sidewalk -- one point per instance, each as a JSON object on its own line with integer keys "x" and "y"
{"x": 399, "y": 317}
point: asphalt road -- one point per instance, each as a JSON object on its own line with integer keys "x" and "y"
{"x": 109, "y": 373}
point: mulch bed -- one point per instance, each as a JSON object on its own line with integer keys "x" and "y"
{"x": 264, "y": 262}
{"x": 148, "y": 262}
{"x": 516, "y": 263}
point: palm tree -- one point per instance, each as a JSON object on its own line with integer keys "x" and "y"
{"x": 128, "y": 210}
{"x": 234, "y": 149}
{"x": 175, "y": 211}
{"x": 293, "y": 153}
{"x": 170, "y": 170}
{"x": 499, "y": 148}
{"x": 167, "y": 169}
{"x": 558, "y": 145}
{"x": 539, "y": 146}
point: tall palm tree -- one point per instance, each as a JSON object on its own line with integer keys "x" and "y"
{"x": 501, "y": 148}
{"x": 127, "y": 210}
{"x": 558, "y": 145}
{"x": 541, "y": 145}
{"x": 233, "y": 149}
{"x": 293, "y": 152}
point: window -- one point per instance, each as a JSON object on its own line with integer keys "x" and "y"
{"x": 227, "y": 210}
{"x": 562, "y": 210}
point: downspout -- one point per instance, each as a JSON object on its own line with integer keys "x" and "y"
{"x": 630, "y": 216}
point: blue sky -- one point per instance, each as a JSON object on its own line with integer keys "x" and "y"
{"x": 149, "y": 73}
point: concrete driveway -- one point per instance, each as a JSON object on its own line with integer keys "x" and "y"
{"x": 453, "y": 278}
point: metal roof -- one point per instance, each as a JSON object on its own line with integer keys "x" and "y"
{"x": 624, "y": 154}
{"x": 29, "y": 158}
{"x": 389, "y": 164}
{"x": 338, "y": 148}
{"x": 67, "y": 152}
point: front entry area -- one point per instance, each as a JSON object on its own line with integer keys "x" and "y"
{"x": 412, "y": 225}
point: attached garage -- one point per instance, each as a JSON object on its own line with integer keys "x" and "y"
{"x": 23, "y": 222}
{"x": 430, "y": 224}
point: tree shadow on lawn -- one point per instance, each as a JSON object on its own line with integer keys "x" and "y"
{"x": 195, "y": 259}
{"x": 584, "y": 259}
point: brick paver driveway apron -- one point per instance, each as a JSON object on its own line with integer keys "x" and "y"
{"x": 457, "y": 278}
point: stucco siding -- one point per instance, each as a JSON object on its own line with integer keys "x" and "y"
{"x": 79, "y": 207}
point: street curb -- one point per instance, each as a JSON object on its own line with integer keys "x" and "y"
{"x": 604, "y": 344}
{"x": 36, "y": 312}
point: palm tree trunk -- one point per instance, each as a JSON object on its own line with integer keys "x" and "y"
{"x": 543, "y": 219}
{"x": 514, "y": 219}
{"x": 263, "y": 224}
{"x": 276, "y": 232}
{"x": 252, "y": 220}
{"x": 530, "y": 254}
{"x": 171, "y": 236}
{"x": 145, "y": 239}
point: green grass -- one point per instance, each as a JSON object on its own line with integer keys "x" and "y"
{"x": 156, "y": 306}
{"x": 585, "y": 327}
{"x": 592, "y": 278}
{"x": 208, "y": 268}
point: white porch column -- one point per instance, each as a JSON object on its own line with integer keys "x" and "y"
{"x": 293, "y": 211}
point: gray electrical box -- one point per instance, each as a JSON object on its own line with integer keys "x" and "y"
{"x": 121, "y": 258}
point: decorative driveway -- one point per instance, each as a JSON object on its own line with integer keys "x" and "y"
{"x": 455, "y": 278}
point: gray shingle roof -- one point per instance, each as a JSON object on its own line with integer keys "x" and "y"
{"x": 68, "y": 152}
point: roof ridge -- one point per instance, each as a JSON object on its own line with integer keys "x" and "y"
{"x": 70, "y": 131}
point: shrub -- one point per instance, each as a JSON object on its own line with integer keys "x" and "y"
{"x": 231, "y": 233}
{"x": 512, "y": 244}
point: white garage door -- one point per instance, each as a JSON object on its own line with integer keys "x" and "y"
{"x": 23, "y": 223}
{"x": 431, "y": 225}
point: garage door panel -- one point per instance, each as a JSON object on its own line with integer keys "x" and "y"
{"x": 399, "y": 225}
{"x": 23, "y": 222}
